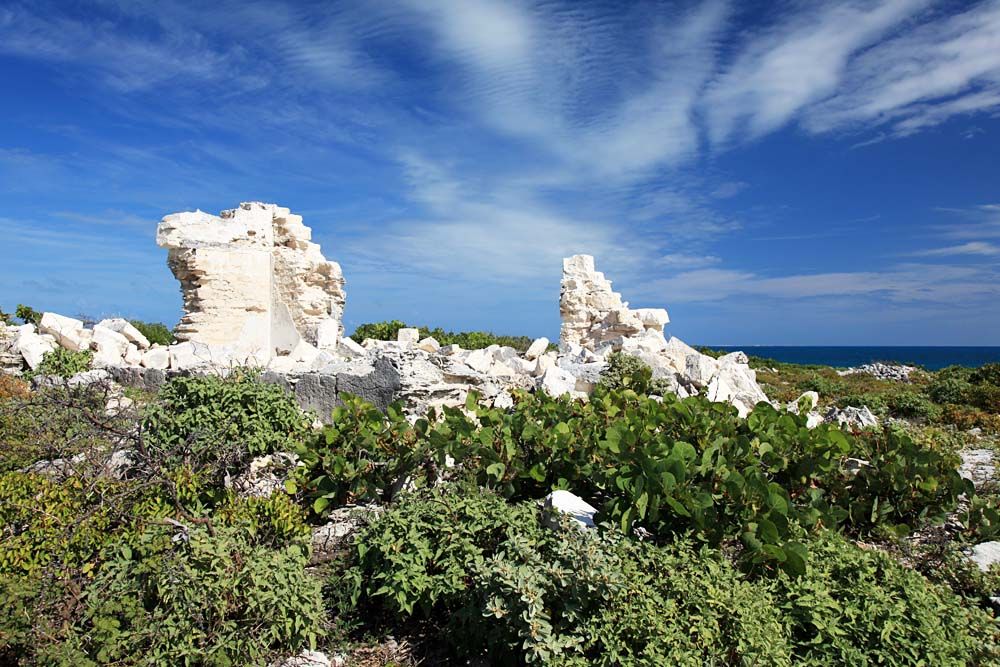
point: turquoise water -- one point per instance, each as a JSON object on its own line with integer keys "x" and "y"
{"x": 931, "y": 358}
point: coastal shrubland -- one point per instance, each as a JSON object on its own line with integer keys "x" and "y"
{"x": 468, "y": 340}
{"x": 719, "y": 540}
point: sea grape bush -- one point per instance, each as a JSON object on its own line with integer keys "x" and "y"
{"x": 63, "y": 363}
{"x": 668, "y": 466}
{"x": 155, "y": 332}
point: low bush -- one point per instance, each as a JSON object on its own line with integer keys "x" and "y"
{"x": 194, "y": 595}
{"x": 27, "y": 314}
{"x": 63, "y": 363}
{"x": 468, "y": 340}
{"x": 861, "y": 607}
{"x": 203, "y": 412}
{"x": 155, "y": 332}
{"x": 626, "y": 371}
{"x": 492, "y": 580}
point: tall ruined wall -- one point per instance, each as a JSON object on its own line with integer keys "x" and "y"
{"x": 251, "y": 277}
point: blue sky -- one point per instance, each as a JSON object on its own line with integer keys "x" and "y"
{"x": 772, "y": 173}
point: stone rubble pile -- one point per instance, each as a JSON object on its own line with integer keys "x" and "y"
{"x": 258, "y": 292}
{"x": 896, "y": 372}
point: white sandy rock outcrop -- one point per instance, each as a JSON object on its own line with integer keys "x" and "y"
{"x": 252, "y": 278}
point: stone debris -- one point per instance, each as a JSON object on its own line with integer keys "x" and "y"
{"x": 578, "y": 509}
{"x": 258, "y": 293}
{"x": 978, "y": 465}
{"x": 852, "y": 418}
{"x": 252, "y": 278}
{"x": 307, "y": 658}
{"x": 265, "y": 475}
{"x": 986, "y": 555}
{"x": 338, "y": 532}
{"x": 897, "y": 372}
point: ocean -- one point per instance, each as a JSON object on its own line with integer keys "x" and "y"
{"x": 931, "y": 358}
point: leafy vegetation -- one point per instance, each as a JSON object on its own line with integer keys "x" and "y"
{"x": 469, "y": 340}
{"x": 27, "y": 314}
{"x": 63, "y": 363}
{"x": 155, "y": 332}
{"x": 720, "y": 541}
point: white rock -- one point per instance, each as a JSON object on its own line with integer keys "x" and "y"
{"x": 537, "y": 348}
{"x": 188, "y": 355}
{"x": 133, "y": 357}
{"x": 109, "y": 342}
{"x": 33, "y": 348}
{"x": 408, "y": 336}
{"x": 557, "y": 381}
{"x": 850, "y": 417}
{"x": 577, "y": 508}
{"x": 349, "y": 348}
{"x": 700, "y": 369}
{"x": 429, "y": 344}
{"x": 265, "y": 475}
{"x": 479, "y": 360}
{"x": 653, "y": 318}
{"x": 986, "y": 554}
{"x": 544, "y": 363}
{"x": 67, "y": 331}
{"x": 450, "y": 350}
{"x": 808, "y": 401}
{"x": 337, "y": 533}
{"x": 125, "y": 328}
{"x": 305, "y": 659}
{"x": 328, "y": 334}
{"x": 157, "y": 357}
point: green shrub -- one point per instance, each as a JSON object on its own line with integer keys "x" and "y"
{"x": 860, "y": 607}
{"x": 27, "y": 314}
{"x": 468, "y": 340}
{"x": 527, "y": 593}
{"x": 949, "y": 389}
{"x": 986, "y": 374}
{"x": 64, "y": 363}
{"x": 201, "y": 413}
{"x": 905, "y": 482}
{"x": 155, "y": 332}
{"x": 195, "y": 596}
{"x": 912, "y": 404}
{"x": 626, "y": 371}
{"x": 378, "y": 330}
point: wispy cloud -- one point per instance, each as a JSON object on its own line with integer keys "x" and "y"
{"x": 971, "y": 248}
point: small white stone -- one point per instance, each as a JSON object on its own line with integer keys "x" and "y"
{"x": 429, "y": 344}
{"x": 537, "y": 348}
{"x": 577, "y": 508}
{"x": 158, "y": 358}
{"x": 125, "y": 328}
{"x": 986, "y": 554}
{"x": 408, "y": 336}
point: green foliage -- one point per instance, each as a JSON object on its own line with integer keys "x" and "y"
{"x": 27, "y": 314}
{"x": 669, "y": 466}
{"x": 55, "y": 525}
{"x": 626, "y": 371}
{"x": 527, "y": 593}
{"x": 6, "y": 318}
{"x": 855, "y": 607}
{"x": 378, "y": 330}
{"x": 155, "y": 332}
{"x": 64, "y": 363}
{"x": 500, "y": 584}
{"x": 468, "y": 340}
{"x": 905, "y": 483}
{"x": 195, "y": 596}
{"x": 200, "y": 413}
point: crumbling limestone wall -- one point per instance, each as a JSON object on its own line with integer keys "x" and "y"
{"x": 593, "y": 314}
{"x": 252, "y": 278}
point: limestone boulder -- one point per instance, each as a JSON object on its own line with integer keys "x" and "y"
{"x": 569, "y": 504}
{"x": 33, "y": 347}
{"x": 110, "y": 345}
{"x": 126, "y": 328}
{"x": 408, "y": 336}
{"x": 537, "y": 348}
{"x": 68, "y": 332}
{"x": 429, "y": 344}
{"x": 158, "y": 357}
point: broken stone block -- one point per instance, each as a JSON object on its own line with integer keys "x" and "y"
{"x": 429, "y": 344}
{"x": 125, "y": 328}
{"x": 156, "y": 358}
{"x": 537, "y": 348}
{"x": 133, "y": 357}
{"x": 251, "y": 276}
{"x": 450, "y": 350}
{"x": 408, "y": 336}
{"x": 579, "y": 510}
{"x": 68, "y": 332}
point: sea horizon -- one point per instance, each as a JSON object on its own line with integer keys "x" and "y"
{"x": 931, "y": 357}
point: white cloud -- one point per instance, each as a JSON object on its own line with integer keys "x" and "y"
{"x": 944, "y": 67}
{"x": 970, "y": 248}
{"x": 795, "y": 64}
